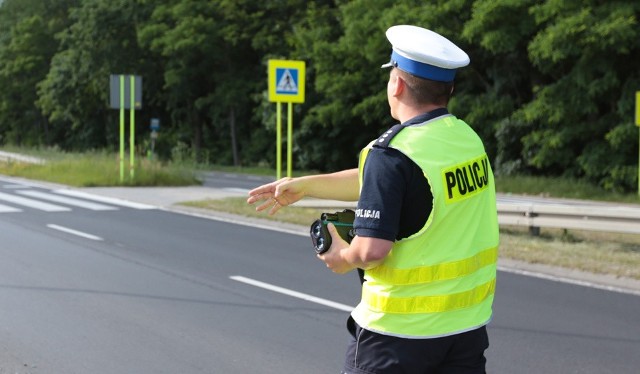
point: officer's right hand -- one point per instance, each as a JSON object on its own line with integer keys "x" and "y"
{"x": 276, "y": 195}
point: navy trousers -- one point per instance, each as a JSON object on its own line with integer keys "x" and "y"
{"x": 372, "y": 353}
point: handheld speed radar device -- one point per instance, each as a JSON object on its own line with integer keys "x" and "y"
{"x": 343, "y": 221}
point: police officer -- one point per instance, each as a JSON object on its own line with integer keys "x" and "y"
{"x": 426, "y": 223}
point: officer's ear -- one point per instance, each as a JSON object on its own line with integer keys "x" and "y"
{"x": 399, "y": 85}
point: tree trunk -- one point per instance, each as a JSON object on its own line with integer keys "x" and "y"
{"x": 44, "y": 122}
{"x": 196, "y": 126}
{"x": 234, "y": 142}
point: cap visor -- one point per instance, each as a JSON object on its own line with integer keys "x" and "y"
{"x": 387, "y": 65}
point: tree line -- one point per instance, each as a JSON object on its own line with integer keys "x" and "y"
{"x": 550, "y": 89}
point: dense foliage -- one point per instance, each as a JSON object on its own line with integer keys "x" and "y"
{"x": 551, "y": 86}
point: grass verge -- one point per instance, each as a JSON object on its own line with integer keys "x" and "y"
{"x": 99, "y": 169}
{"x": 561, "y": 188}
{"x": 594, "y": 252}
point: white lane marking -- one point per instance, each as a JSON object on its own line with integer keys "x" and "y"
{"x": 8, "y": 209}
{"x": 103, "y": 199}
{"x": 288, "y": 292}
{"x": 66, "y": 200}
{"x": 32, "y": 203}
{"x": 74, "y": 232}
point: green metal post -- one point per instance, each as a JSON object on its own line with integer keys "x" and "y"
{"x": 278, "y": 140}
{"x": 132, "y": 123}
{"x": 289, "y": 138}
{"x": 121, "y": 128}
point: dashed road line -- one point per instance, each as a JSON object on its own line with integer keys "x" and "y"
{"x": 74, "y": 232}
{"x": 292, "y": 293}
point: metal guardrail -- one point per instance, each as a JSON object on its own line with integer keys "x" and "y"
{"x": 585, "y": 217}
{"x": 536, "y": 215}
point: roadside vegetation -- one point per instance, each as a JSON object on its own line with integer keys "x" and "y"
{"x": 101, "y": 168}
{"x": 550, "y": 88}
{"x": 93, "y": 169}
{"x": 567, "y": 188}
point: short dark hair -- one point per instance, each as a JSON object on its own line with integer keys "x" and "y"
{"x": 426, "y": 91}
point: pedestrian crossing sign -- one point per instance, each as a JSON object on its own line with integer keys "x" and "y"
{"x": 286, "y": 81}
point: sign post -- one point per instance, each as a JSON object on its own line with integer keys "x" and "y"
{"x": 286, "y": 84}
{"x": 155, "y": 126}
{"x": 121, "y": 81}
{"x": 126, "y": 94}
{"x": 132, "y": 126}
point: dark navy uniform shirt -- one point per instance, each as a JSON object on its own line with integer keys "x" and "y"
{"x": 395, "y": 199}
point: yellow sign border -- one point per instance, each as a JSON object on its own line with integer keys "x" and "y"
{"x": 286, "y": 64}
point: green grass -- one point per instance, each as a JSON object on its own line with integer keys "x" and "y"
{"x": 239, "y": 206}
{"x": 251, "y": 170}
{"x": 94, "y": 169}
{"x": 560, "y": 188}
{"x": 47, "y": 153}
{"x": 102, "y": 169}
{"x": 594, "y": 252}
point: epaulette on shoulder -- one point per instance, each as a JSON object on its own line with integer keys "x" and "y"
{"x": 384, "y": 139}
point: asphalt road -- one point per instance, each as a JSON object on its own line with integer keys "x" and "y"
{"x": 138, "y": 290}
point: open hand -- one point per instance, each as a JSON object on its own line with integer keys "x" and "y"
{"x": 276, "y": 195}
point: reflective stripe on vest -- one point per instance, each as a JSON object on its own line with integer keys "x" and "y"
{"x": 438, "y": 272}
{"x": 429, "y": 304}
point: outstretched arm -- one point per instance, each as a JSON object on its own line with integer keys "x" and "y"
{"x": 342, "y": 185}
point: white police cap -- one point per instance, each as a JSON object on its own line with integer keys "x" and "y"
{"x": 424, "y": 53}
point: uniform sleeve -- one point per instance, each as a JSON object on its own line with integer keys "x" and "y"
{"x": 386, "y": 173}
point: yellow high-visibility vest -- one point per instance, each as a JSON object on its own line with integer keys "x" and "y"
{"x": 441, "y": 280}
